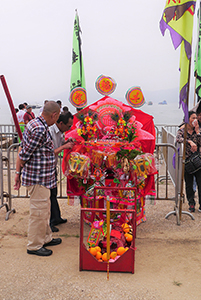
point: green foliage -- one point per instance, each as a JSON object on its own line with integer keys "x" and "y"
{"x": 130, "y": 154}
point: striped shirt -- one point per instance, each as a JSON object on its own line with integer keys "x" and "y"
{"x": 38, "y": 152}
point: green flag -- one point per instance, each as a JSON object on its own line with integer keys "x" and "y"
{"x": 77, "y": 72}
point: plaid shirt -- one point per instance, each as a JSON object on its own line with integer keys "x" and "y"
{"x": 38, "y": 152}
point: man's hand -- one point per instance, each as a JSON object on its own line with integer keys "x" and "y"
{"x": 17, "y": 182}
{"x": 68, "y": 145}
{"x": 70, "y": 140}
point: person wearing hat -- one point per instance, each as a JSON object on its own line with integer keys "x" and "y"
{"x": 29, "y": 115}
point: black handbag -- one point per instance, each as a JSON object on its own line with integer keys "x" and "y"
{"x": 193, "y": 164}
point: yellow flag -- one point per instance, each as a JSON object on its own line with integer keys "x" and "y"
{"x": 178, "y": 18}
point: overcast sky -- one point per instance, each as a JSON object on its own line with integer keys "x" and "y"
{"x": 120, "y": 39}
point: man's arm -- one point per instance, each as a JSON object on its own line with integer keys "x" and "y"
{"x": 68, "y": 145}
{"x": 19, "y": 165}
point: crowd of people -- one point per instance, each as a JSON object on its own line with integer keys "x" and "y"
{"x": 24, "y": 112}
{"x": 43, "y": 139}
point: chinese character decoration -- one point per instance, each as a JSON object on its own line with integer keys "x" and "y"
{"x": 78, "y": 97}
{"x": 135, "y": 97}
{"x": 105, "y": 85}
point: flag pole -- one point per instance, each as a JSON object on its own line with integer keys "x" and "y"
{"x": 108, "y": 235}
{"x": 195, "y": 88}
{"x": 197, "y": 49}
{"x": 184, "y": 148}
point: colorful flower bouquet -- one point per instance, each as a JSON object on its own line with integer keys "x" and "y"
{"x": 124, "y": 129}
{"x": 87, "y": 127}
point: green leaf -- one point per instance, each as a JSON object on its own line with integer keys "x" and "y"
{"x": 116, "y": 180}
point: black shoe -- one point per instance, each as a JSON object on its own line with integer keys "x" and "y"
{"x": 53, "y": 242}
{"x": 192, "y": 208}
{"x": 40, "y": 252}
{"x": 61, "y": 221}
{"x": 54, "y": 229}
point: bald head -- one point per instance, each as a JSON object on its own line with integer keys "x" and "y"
{"x": 51, "y": 111}
{"x": 51, "y": 107}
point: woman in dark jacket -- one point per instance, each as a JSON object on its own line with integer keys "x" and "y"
{"x": 193, "y": 144}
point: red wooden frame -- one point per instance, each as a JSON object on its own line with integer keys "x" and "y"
{"x": 125, "y": 263}
{"x": 115, "y": 188}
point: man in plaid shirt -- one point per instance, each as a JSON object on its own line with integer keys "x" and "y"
{"x": 36, "y": 158}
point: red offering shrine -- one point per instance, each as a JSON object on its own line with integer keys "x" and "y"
{"x": 112, "y": 158}
{"x": 114, "y": 147}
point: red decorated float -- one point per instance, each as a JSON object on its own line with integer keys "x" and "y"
{"x": 111, "y": 162}
{"x": 114, "y": 146}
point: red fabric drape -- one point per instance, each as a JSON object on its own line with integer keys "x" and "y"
{"x": 148, "y": 146}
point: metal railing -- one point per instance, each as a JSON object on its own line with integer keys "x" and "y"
{"x": 1, "y": 181}
{"x": 164, "y": 153}
{"x": 171, "y": 176}
{"x": 5, "y": 197}
{"x": 7, "y": 128}
{"x": 22, "y": 192}
{"x": 170, "y": 128}
{"x": 8, "y": 169}
{"x": 166, "y": 172}
{"x": 174, "y": 174}
{"x": 7, "y": 139}
{"x": 8, "y": 136}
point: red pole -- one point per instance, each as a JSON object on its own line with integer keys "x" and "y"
{"x": 10, "y": 101}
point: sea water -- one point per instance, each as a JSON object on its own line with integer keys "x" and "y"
{"x": 167, "y": 114}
